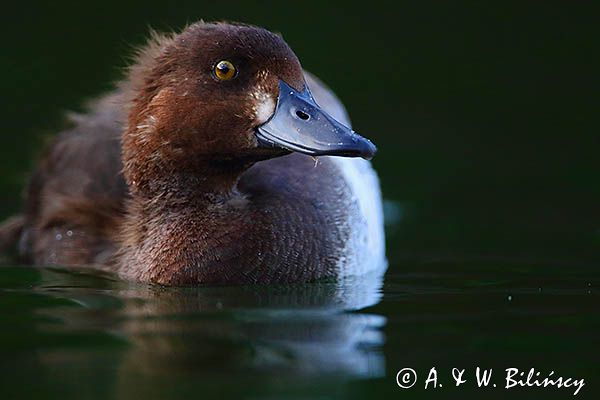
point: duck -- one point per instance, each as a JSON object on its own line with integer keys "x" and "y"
{"x": 216, "y": 160}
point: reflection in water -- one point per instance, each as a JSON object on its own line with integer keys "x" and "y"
{"x": 74, "y": 335}
{"x": 304, "y": 330}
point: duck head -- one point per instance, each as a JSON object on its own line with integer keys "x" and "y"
{"x": 217, "y": 97}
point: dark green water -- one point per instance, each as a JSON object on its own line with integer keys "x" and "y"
{"x": 486, "y": 120}
{"x": 75, "y": 335}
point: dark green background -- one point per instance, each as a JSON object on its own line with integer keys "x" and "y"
{"x": 486, "y": 119}
{"x": 485, "y": 114}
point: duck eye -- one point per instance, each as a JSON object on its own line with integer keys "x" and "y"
{"x": 224, "y": 70}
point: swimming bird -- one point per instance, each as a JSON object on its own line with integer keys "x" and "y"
{"x": 216, "y": 160}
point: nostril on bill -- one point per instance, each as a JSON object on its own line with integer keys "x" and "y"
{"x": 302, "y": 115}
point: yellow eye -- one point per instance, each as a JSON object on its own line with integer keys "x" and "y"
{"x": 224, "y": 70}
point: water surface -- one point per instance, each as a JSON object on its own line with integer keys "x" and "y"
{"x": 74, "y": 334}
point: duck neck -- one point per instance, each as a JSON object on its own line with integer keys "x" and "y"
{"x": 210, "y": 183}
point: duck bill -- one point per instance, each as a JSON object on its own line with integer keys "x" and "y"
{"x": 300, "y": 125}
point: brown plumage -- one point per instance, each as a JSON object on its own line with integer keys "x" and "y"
{"x": 161, "y": 181}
